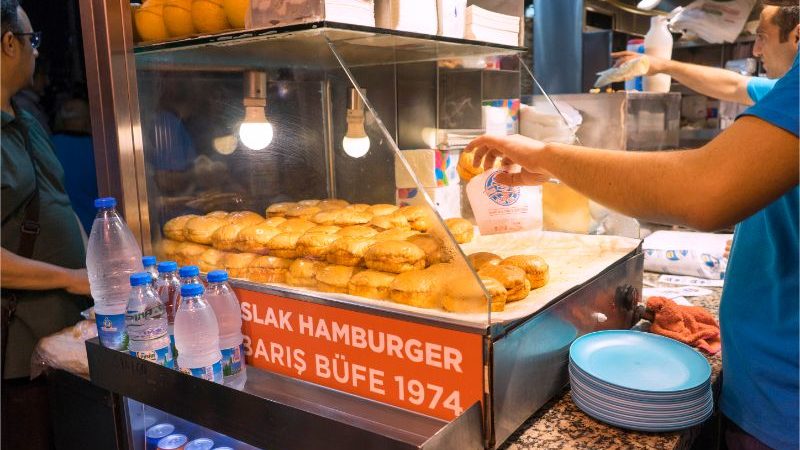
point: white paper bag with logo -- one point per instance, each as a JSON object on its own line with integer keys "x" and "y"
{"x": 500, "y": 209}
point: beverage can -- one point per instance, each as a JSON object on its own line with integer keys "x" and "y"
{"x": 200, "y": 444}
{"x": 173, "y": 442}
{"x": 158, "y": 432}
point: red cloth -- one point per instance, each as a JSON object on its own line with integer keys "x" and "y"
{"x": 692, "y": 325}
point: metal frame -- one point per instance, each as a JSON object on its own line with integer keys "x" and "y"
{"x": 113, "y": 98}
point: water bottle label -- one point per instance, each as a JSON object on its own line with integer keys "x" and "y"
{"x": 111, "y": 331}
{"x": 232, "y": 360}
{"x": 210, "y": 373}
{"x": 161, "y": 356}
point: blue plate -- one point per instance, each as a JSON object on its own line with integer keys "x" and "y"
{"x": 650, "y": 397}
{"x": 640, "y": 361}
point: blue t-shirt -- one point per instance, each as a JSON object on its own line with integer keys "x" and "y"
{"x": 758, "y": 87}
{"x": 759, "y": 309}
{"x": 76, "y": 154}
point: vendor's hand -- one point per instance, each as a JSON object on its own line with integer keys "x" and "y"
{"x": 76, "y": 281}
{"x": 515, "y": 149}
{"x": 657, "y": 65}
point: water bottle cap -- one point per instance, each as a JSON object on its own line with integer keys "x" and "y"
{"x": 105, "y": 202}
{"x": 191, "y": 290}
{"x": 189, "y": 271}
{"x": 167, "y": 266}
{"x": 148, "y": 261}
{"x": 141, "y": 278}
{"x": 216, "y": 276}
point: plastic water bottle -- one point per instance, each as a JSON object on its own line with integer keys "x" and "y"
{"x": 146, "y": 322}
{"x": 197, "y": 336}
{"x": 149, "y": 263}
{"x": 168, "y": 288}
{"x": 229, "y": 319}
{"x": 112, "y": 256}
{"x": 189, "y": 275}
{"x": 658, "y": 42}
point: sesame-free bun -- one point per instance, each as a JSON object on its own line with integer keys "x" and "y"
{"x": 335, "y": 278}
{"x": 434, "y": 248}
{"x": 465, "y": 296}
{"x": 244, "y": 218}
{"x": 210, "y": 259}
{"x": 362, "y": 231}
{"x": 349, "y": 251}
{"x": 201, "y": 229}
{"x": 389, "y": 222}
{"x": 188, "y": 253}
{"x": 268, "y": 269}
{"x": 395, "y": 257}
{"x": 536, "y": 269}
{"x": 382, "y": 209}
{"x": 315, "y": 245}
{"x": 225, "y": 237}
{"x": 279, "y": 209}
{"x": 416, "y": 288}
{"x": 352, "y": 217}
{"x": 397, "y": 234}
{"x": 303, "y": 272}
{"x": 174, "y": 228}
{"x": 512, "y": 278}
{"x": 284, "y": 245}
{"x": 461, "y": 229}
{"x": 296, "y": 226}
{"x": 480, "y": 259}
{"x": 254, "y": 238}
{"x": 324, "y": 229}
{"x": 371, "y": 284}
{"x": 236, "y": 263}
{"x": 301, "y": 212}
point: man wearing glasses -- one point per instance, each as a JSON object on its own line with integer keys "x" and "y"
{"x": 44, "y": 282}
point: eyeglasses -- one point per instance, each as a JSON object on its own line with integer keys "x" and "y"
{"x": 35, "y": 38}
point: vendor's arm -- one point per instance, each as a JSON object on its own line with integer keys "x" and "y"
{"x": 710, "y": 81}
{"x": 17, "y": 272}
{"x": 745, "y": 168}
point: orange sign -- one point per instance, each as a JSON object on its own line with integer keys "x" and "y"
{"x": 422, "y": 368}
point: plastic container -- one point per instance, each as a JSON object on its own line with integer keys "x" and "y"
{"x": 146, "y": 323}
{"x": 168, "y": 288}
{"x": 149, "y": 263}
{"x": 111, "y": 257}
{"x": 229, "y": 320}
{"x": 658, "y": 42}
{"x": 635, "y": 83}
{"x": 197, "y": 336}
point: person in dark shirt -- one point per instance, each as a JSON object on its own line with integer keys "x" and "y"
{"x": 43, "y": 273}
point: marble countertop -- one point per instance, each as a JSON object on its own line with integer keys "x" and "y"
{"x": 561, "y": 425}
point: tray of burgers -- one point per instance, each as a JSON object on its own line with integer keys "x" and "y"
{"x": 392, "y": 257}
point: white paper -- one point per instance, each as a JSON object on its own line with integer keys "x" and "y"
{"x": 499, "y": 208}
{"x": 685, "y": 291}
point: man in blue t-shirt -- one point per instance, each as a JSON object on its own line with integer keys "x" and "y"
{"x": 748, "y": 176}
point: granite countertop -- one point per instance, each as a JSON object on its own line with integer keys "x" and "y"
{"x": 561, "y": 425}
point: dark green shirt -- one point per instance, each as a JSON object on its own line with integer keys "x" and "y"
{"x": 39, "y": 313}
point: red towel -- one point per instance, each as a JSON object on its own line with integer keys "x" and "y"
{"x": 692, "y": 325}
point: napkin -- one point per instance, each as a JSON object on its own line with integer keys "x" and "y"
{"x": 692, "y": 325}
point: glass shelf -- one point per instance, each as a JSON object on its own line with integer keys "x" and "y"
{"x": 306, "y": 45}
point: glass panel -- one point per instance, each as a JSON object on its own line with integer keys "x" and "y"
{"x": 143, "y": 418}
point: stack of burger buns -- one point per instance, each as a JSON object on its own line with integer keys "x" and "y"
{"x": 379, "y": 251}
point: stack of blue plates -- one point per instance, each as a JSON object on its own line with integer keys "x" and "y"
{"x": 640, "y": 381}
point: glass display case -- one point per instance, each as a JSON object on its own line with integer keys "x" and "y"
{"x": 319, "y": 163}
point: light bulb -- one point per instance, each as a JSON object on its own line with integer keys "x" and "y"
{"x": 356, "y": 147}
{"x": 255, "y": 135}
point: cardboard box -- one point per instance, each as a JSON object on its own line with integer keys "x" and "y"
{"x": 433, "y": 168}
{"x": 447, "y": 200}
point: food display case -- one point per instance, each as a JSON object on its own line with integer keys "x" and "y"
{"x": 318, "y": 163}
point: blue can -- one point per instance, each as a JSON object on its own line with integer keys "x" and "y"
{"x": 156, "y": 433}
{"x": 173, "y": 442}
{"x": 200, "y": 444}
